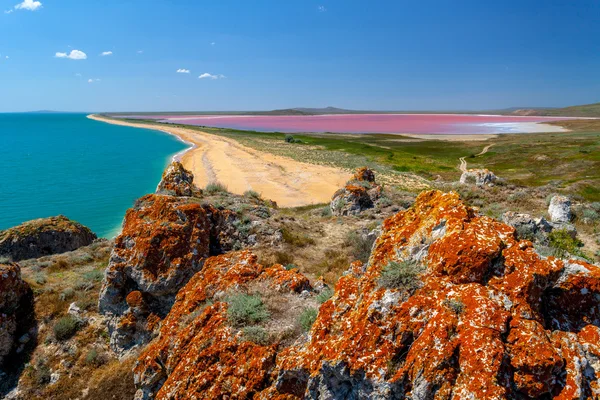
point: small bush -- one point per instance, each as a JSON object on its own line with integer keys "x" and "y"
{"x": 290, "y": 267}
{"x": 590, "y": 216}
{"x": 518, "y": 197}
{"x": 215, "y": 187}
{"x": 455, "y": 305}
{"x": 66, "y": 327}
{"x": 291, "y": 139}
{"x": 252, "y": 194}
{"x": 296, "y": 239}
{"x": 67, "y": 294}
{"x": 94, "y": 358}
{"x": 326, "y": 211}
{"x": 307, "y": 318}
{"x": 360, "y": 245}
{"x": 94, "y": 276}
{"x": 564, "y": 244}
{"x": 283, "y": 258}
{"x": 256, "y": 334}
{"x": 246, "y": 310}
{"x": 401, "y": 275}
{"x": 325, "y": 295}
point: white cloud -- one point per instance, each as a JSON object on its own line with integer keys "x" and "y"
{"x": 140, "y": 51}
{"x": 78, "y": 75}
{"x": 183, "y": 71}
{"x": 30, "y": 5}
{"x": 212, "y": 43}
{"x": 73, "y": 55}
{"x": 7, "y": 57}
{"x": 106, "y": 53}
{"x": 8, "y": 11}
{"x": 93, "y": 80}
{"x": 206, "y": 75}
{"x": 321, "y": 8}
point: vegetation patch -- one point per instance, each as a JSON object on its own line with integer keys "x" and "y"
{"x": 256, "y": 334}
{"x": 563, "y": 244}
{"x": 307, "y": 318}
{"x": 401, "y": 275}
{"x": 215, "y": 187}
{"x": 66, "y": 327}
{"x": 245, "y": 310}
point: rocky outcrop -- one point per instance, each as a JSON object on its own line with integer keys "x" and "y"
{"x": 42, "y": 237}
{"x": 164, "y": 242}
{"x": 478, "y": 177}
{"x": 526, "y": 226}
{"x": 451, "y": 305}
{"x": 560, "y": 209}
{"x": 177, "y": 181}
{"x": 199, "y": 353}
{"x": 15, "y": 309}
{"x": 359, "y": 194}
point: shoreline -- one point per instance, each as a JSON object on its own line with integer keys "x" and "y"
{"x": 214, "y": 158}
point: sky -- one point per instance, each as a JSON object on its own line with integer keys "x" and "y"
{"x": 196, "y": 55}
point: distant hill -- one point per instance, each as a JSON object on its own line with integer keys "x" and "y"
{"x": 586, "y": 110}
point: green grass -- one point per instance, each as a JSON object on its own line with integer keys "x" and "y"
{"x": 307, "y": 318}
{"x": 401, "y": 275}
{"x": 244, "y": 310}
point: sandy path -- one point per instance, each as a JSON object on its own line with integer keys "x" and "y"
{"x": 215, "y": 158}
{"x": 463, "y": 162}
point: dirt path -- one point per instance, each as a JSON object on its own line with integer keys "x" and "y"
{"x": 215, "y": 158}
{"x": 463, "y": 162}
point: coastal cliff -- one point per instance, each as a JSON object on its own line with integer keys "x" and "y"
{"x": 201, "y": 297}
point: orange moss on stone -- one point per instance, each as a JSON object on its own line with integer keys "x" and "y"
{"x": 204, "y": 356}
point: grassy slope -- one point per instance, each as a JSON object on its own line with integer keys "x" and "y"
{"x": 585, "y": 110}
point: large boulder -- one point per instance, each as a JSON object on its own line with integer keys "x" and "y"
{"x": 199, "y": 353}
{"x": 15, "y": 309}
{"x": 451, "y": 306}
{"x": 526, "y": 226}
{"x": 43, "y": 237}
{"x": 359, "y": 194}
{"x": 164, "y": 241}
{"x": 478, "y": 177}
{"x": 560, "y": 209}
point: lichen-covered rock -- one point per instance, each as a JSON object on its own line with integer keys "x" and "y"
{"x": 526, "y": 226}
{"x": 198, "y": 354}
{"x": 478, "y": 177}
{"x": 164, "y": 241}
{"x": 560, "y": 209}
{"x": 15, "y": 308}
{"x": 177, "y": 181}
{"x": 42, "y": 237}
{"x": 484, "y": 317}
{"x": 359, "y": 194}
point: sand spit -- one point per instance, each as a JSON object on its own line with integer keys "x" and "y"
{"x": 215, "y": 158}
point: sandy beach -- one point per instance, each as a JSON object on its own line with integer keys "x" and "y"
{"x": 214, "y": 158}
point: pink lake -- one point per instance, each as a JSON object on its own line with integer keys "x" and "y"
{"x": 371, "y": 123}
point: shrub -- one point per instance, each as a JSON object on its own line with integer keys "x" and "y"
{"x": 455, "y": 305}
{"x": 94, "y": 276}
{"x": 283, "y": 258}
{"x": 325, "y": 295}
{"x": 401, "y": 275}
{"x": 256, "y": 334}
{"x": 290, "y": 267}
{"x": 246, "y": 310}
{"x": 307, "y": 318}
{"x": 66, "y": 327}
{"x": 296, "y": 239}
{"x": 215, "y": 187}
{"x": 252, "y": 194}
{"x": 564, "y": 244}
{"x": 67, "y": 294}
{"x": 360, "y": 245}
{"x": 590, "y": 216}
{"x": 326, "y": 211}
{"x": 93, "y": 357}
{"x": 289, "y": 139}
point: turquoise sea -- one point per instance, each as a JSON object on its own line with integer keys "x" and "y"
{"x": 67, "y": 164}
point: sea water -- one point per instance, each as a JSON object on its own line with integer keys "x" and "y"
{"x": 90, "y": 171}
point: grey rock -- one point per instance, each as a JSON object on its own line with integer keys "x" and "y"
{"x": 560, "y": 209}
{"x": 478, "y": 177}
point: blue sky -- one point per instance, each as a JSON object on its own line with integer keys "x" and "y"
{"x": 388, "y": 55}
